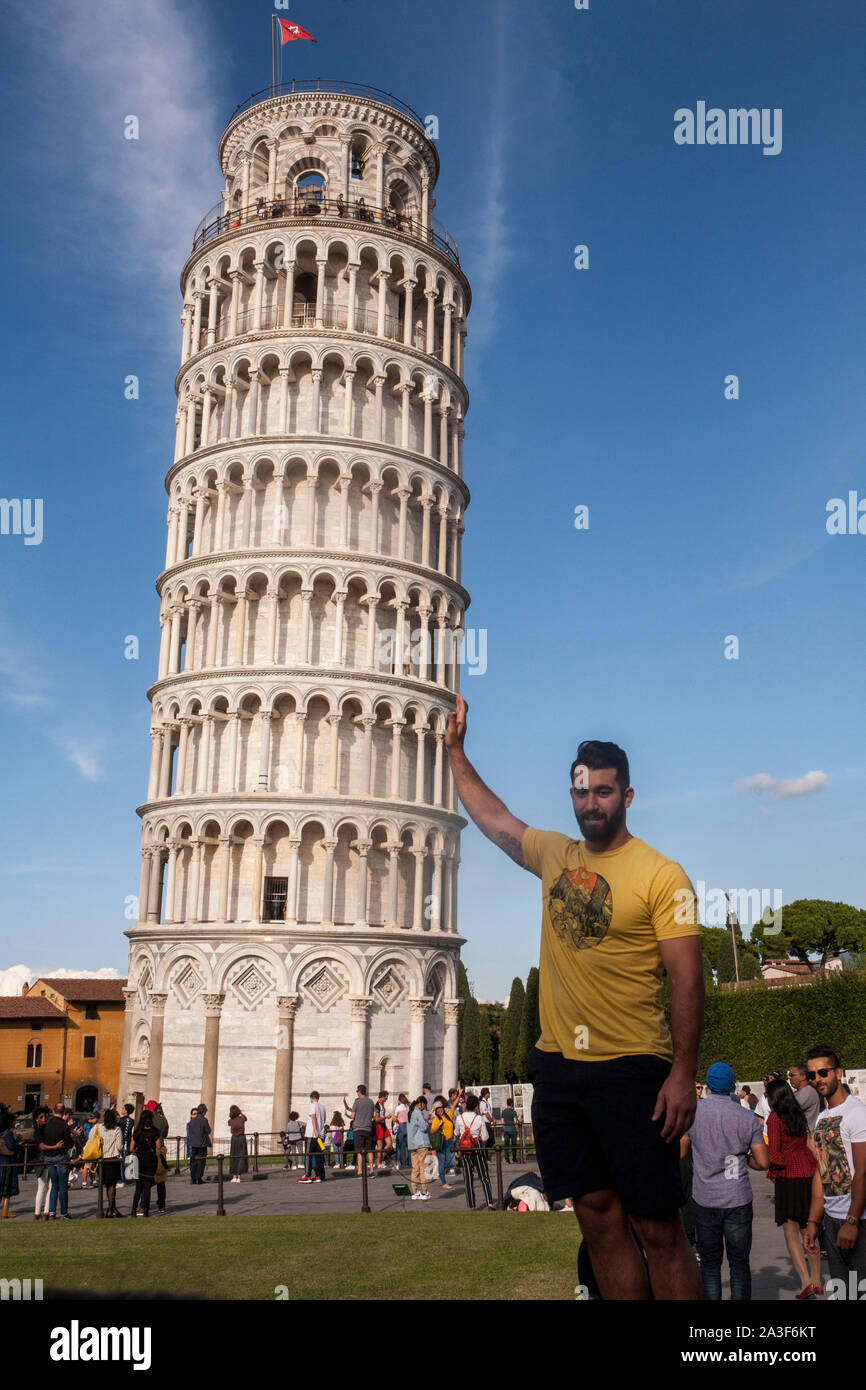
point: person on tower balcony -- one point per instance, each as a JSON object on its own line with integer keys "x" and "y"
{"x": 341, "y": 206}
{"x": 278, "y": 207}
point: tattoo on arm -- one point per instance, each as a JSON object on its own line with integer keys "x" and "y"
{"x": 511, "y": 845}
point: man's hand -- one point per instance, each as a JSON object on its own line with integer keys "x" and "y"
{"x": 491, "y": 815}
{"x": 677, "y": 1102}
{"x": 455, "y": 729}
{"x": 846, "y": 1237}
{"x": 810, "y": 1239}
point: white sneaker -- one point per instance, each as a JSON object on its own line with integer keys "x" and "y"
{"x": 425, "y": 1196}
{"x": 416, "y": 1197}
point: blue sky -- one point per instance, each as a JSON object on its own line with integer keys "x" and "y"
{"x": 602, "y": 387}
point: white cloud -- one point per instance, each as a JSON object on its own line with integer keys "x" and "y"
{"x": 84, "y": 757}
{"x": 489, "y": 241}
{"x": 15, "y": 976}
{"x": 783, "y": 790}
{"x": 139, "y": 199}
{"x": 20, "y": 683}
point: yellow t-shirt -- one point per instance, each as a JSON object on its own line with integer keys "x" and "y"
{"x": 600, "y": 969}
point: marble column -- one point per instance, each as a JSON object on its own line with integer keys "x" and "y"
{"x": 153, "y": 893}
{"x": 419, "y": 856}
{"x": 129, "y": 998}
{"x": 258, "y": 877}
{"x": 157, "y": 1033}
{"x": 417, "y": 1013}
{"x": 213, "y": 1004}
{"x": 450, "y": 1060}
{"x": 292, "y": 886}
{"x": 363, "y": 847}
{"x": 143, "y": 885}
{"x": 357, "y": 1074}
{"x": 286, "y": 1008}
{"x": 393, "y": 872}
{"x": 436, "y": 919}
{"x": 174, "y": 848}
{"x": 328, "y": 885}
{"x": 225, "y": 871}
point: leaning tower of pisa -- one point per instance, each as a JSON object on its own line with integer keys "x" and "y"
{"x": 297, "y": 923}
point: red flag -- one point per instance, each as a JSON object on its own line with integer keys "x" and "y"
{"x": 289, "y": 32}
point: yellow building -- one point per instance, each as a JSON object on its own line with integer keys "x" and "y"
{"x": 32, "y": 1045}
{"x": 61, "y": 1040}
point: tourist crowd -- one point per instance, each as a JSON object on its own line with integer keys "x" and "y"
{"x": 432, "y": 1137}
{"x": 807, "y": 1133}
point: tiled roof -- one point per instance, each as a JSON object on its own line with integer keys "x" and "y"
{"x": 87, "y": 990}
{"x": 28, "y": 1006}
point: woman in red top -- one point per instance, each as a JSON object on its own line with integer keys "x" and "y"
{"x": 792, "y": 1165}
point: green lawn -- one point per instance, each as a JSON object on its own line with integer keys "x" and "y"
{"x": 460, "y": 1255}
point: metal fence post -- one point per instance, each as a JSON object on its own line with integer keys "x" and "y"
{"x": 177, "y": 1157}
{"x": 256, "y": 1154}
{"x": 500, "y": 1198}
{"x": 520, "y": 1136}
{"x": 365, "y": 1196}
{"x": 221, "y": 1211}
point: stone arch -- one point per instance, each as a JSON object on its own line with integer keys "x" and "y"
{"x": 393, "y": 976}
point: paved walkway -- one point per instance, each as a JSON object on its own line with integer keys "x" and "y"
{"x": 280, "y": 1193}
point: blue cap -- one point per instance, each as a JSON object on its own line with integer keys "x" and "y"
{"x": 721, "y": 1079}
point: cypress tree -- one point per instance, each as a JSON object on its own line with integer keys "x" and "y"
{"x": 469, "y": 1054}
{"x": 511, "y": 1032}
{"x": 464, "y": 992}
{"x": 485, "y": 1046}
{"x": 530, "y": 1027}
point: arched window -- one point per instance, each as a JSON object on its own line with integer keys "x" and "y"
{"x": 34, "y": 1055}
{"x": 356, "y": 164}
{"x": 310, "y": 194}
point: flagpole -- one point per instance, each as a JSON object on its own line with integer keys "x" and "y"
{"x": 273, "y": 74}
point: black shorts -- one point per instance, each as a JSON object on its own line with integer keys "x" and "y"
{"x": 593, "y": 1131}
{"x": 363, "y": 1141}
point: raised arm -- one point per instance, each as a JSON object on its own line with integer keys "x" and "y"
{"x": 491, "y": 815}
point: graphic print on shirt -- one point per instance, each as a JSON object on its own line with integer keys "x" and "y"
{"x": 832, "y": 1158}
{"x": 580, "y": 906}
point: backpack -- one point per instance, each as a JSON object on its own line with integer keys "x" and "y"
{"x": 467, "y": 1142}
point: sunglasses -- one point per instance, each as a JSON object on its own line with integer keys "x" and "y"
{"x": 823, "y": 1072}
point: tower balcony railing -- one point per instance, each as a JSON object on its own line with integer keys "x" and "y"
{"x": 335, "y": 316}
{"x": 312, "y": 204}
{"x": 302, "y": 85}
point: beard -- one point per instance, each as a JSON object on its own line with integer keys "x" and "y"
{"x": 604, "y": 827}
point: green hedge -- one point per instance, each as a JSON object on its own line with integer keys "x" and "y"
{"x": 766, "y": 1028}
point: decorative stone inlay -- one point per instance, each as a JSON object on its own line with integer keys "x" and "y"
{"x": 388, "y": 988}
{"x": 145, "y": 985}
{"x": 187, "y": 983}
{"x": 142, "y": 1051}
{"x": 324, "y": 985}
{"x": 251, "y": 986}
